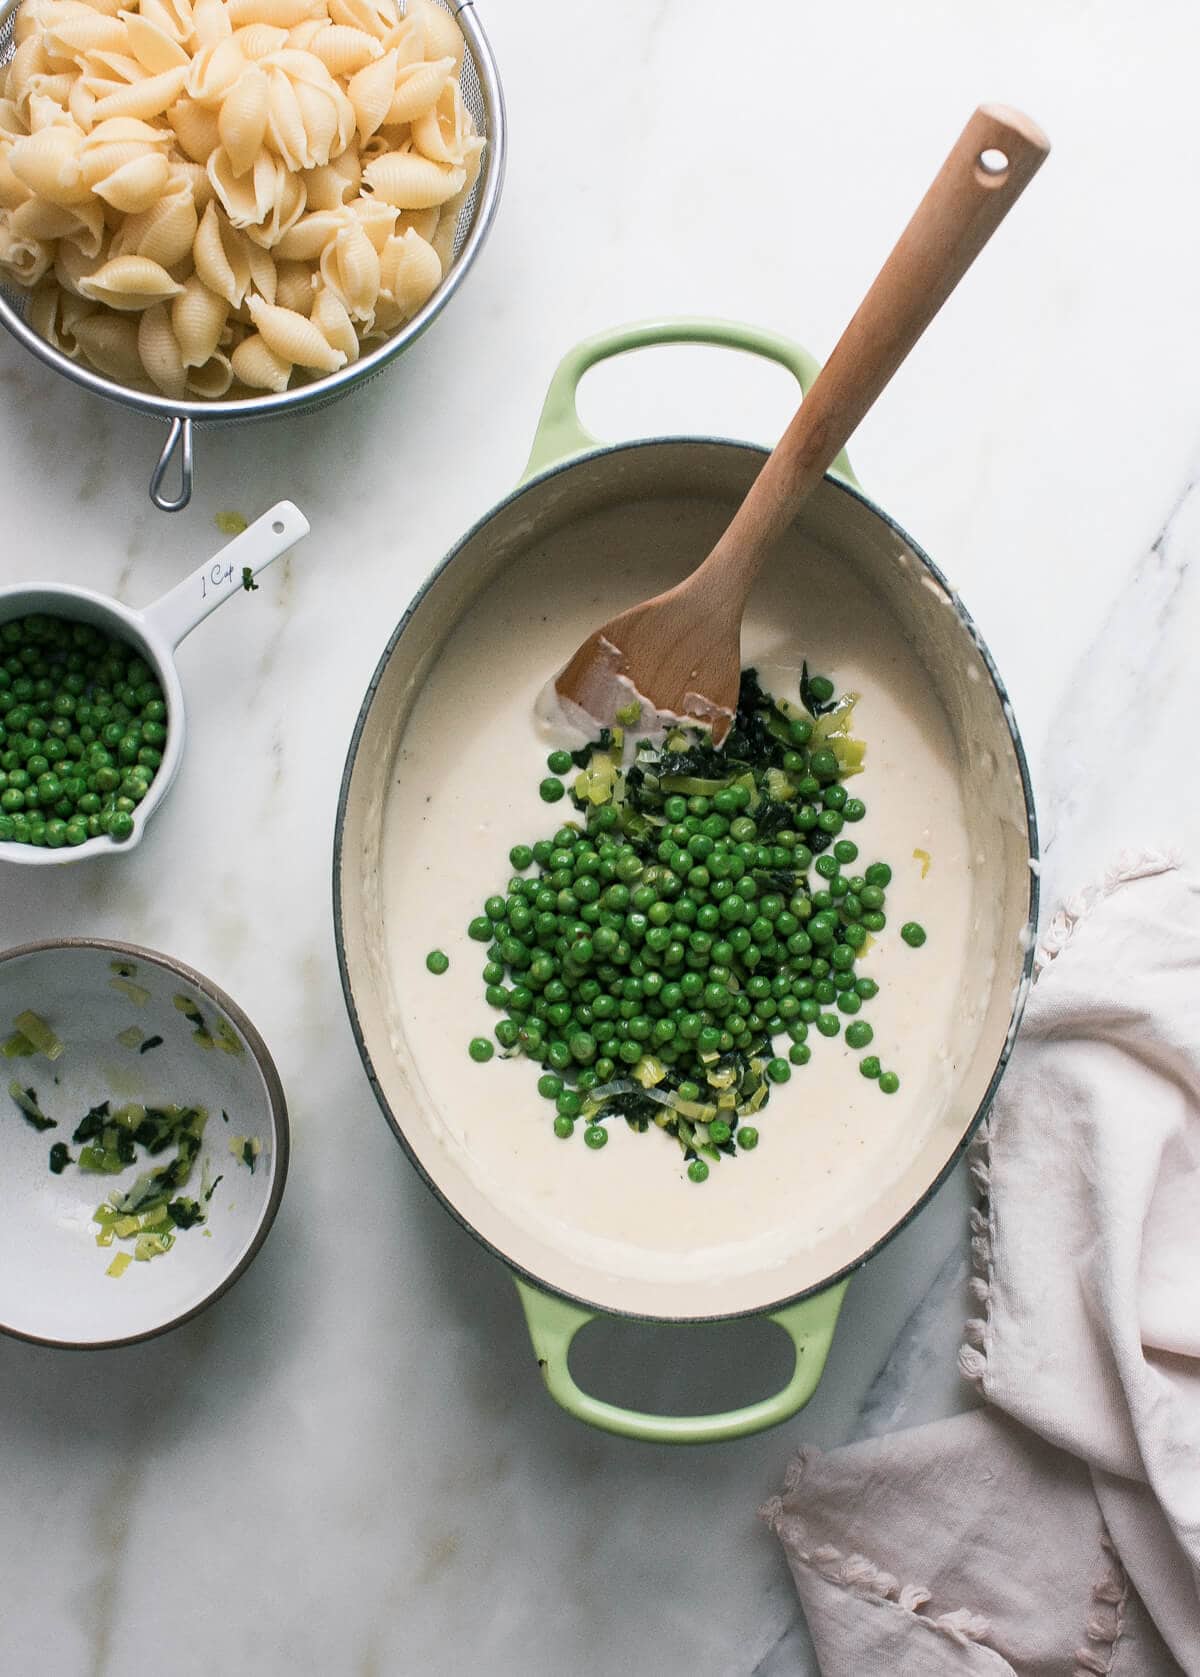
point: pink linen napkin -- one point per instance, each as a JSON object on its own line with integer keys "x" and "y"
{"x": 1055, "y": 1532}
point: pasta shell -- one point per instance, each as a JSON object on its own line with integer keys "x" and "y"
{"x": 262, "y": 271}
{"x": 423, "y": 222}
{"x": 285, "y": 120}
{"x": 282, "y": 14}
{"x": 307, "y": 239}
{"x": 13, "y": 191}
{"x": 294, "y": 283}
{"x": 242, "y": 123}
{"x": 54, "y": 315}
{"x": 370, "y": 92}
{"x": 374, "y": 17}
{"x": 129, "y": 283}
{"x": 214, "y": 70}
{"x": 327, "y": 188}
{"x": 165, "y": 232}
{"x": 211, "y": 22}
{"x": 258, "y": 366}
{"x": 212, "y": 380}
{"x": 220, "y": 258}
{"x": 293, "y": 338}
{"x": 195, "y": 177}
{"x": 256, "y": 40}
{"x": 136, "y": 184}
{"x": 160, "y": 353}
{"x": 155, "y": 49}
{"x": 301, "y": 34}
{"x": 417, "y": 89}
{"x": 410, "y": 270}
{"x": 109, "y": 342}
{"x": 343, "y": 49}
{"x": 350, "y": 267}
{"x": 12, "y": 124}
{"x": 195, "y": 128}
{"x": 172, "y": 17}
{"x": 82, "y": 223}
{"x": 198, "y": 318}
{"x": 71, "y": 37}
{"x": 320, "y": 113}
{"x": 246, "y": 199}
{"x": 48, "y": 163}
{"x": 412, "y": 182}
{"x": 408, "y": 38}
{"x": 286, "y": 209}
{"x": 24, "y": 260}
{"x": 28, "y": 61}
{"x": 445, "y": 131}
{"x": 72, "y": 265}
{"x": 81, "y": 105}
{"x": 378, "y": 221}
{"x": 443, "y": 239}
{"x": 334, "y": 324}
{"x": 146, "y": 98}
{"x": 120, "y": 69}
{"x": 96, "y": 163}
{"x": 443, "y": 37}
{"x": 48, "y": 110}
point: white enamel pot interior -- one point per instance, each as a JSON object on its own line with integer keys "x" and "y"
{"x": 640, "y": 514}
{"x": 155, "y": 632}
{"x": 54, "y": 1282}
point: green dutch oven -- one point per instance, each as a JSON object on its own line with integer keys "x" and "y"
{"x": 571, "y": 478}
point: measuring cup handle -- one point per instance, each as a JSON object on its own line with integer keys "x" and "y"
{"x": 561, "y": 434}
{"x": 179, "y": 437}
{"x": 553, "y": 1323}
{"x": 177, "y": 613}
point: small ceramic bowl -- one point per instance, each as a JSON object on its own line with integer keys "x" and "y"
{"x": 154, "y": 632}
{"x": 107, "y": 1003}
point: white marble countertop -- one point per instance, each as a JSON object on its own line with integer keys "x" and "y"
{"x": 348, "y": 1465}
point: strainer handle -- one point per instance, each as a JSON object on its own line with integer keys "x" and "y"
{"x": 178, "y": 437}
{"x": 561, "y": 434}
{"x": 553, "y": 1323}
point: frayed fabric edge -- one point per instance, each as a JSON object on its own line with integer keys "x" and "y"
{"x": 861, "y": 1576}
{"x": 1129, "y": 866}
{"x": 1110, "y": 1598}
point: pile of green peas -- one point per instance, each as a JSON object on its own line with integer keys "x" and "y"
{"x": 612, "y": 952}
{"x": 83, "y": 725}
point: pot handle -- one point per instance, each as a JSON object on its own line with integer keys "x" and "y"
{"x": 553, "y": 1323}
{"x": 560, "y": 433}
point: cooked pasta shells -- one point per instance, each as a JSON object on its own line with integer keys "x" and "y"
{"x": 129, "y": 283}
{"x": 48, "y": 163}
{"x": 412, "y": 182}
{"x": 330, "y": 318}
{"x": 242, "y": 123}
{"x": 198, "y": 318}
{"x": 220, "y": 257}
{"x": 293, "y": 338}
{"x": 109, "y": 342}
{"x": 255, "y": 364}
{"x": 417, "y": 89}
{"x": 150, "y": 96}
{"x": 343, "y": 49}
{"x": 159, "y": 352}
{"x": 370, "y": 92}
{"x": 136, "y": 185}
{"x": 350, "y": 267}
{"x": 215, "y": 196}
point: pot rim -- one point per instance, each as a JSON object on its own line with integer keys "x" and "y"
{"x": 1022, "y": 989}
{"x": 276, "y": 1107}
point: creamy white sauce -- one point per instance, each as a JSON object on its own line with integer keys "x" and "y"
{"x": 464, "y": 790}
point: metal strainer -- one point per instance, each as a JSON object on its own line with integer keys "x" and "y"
{"x": 485, "y": 101}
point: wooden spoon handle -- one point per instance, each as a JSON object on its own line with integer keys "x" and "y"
{"x": 994, "y": 159}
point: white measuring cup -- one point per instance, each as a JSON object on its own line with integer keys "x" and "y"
{"x": 154, "y": 633}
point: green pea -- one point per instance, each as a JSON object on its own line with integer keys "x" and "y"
{"x": 551, "y": 790}
{"x": 778, "y": 1070}
{"x": 564, "y": 1128}
{"x": 595, "y": 1135}
{"x": 828, "y": 1024}
{"x": 889, "y": 1082}
{"x": 879, "y": 874}
{"x": 913, "y": 933}
{"x": 858, "y": 1034}
{"x": 480, "y": 929}
{"x": 479, "y": 1048}
{"x": 437, "y": 961}
{"x": 747, "y": 1137}
{"x": 800, "y": 1053}
{"x": 559, "y": 762}
{"x": 697, "y": 1171}
{"x": 869, "y": 1066}
{"x": 120, "y": 824}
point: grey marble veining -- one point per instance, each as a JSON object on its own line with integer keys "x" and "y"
{"x": 348, "y": 1467}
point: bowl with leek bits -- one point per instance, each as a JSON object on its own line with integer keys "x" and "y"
{"x": 143, "y": 1143}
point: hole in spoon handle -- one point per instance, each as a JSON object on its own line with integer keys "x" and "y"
{"x": 179, "y": 437}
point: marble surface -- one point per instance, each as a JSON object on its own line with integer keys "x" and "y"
{"x": 348, "y": 1465}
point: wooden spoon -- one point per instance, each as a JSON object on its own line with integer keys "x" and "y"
{"x": 681, "y": 651}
